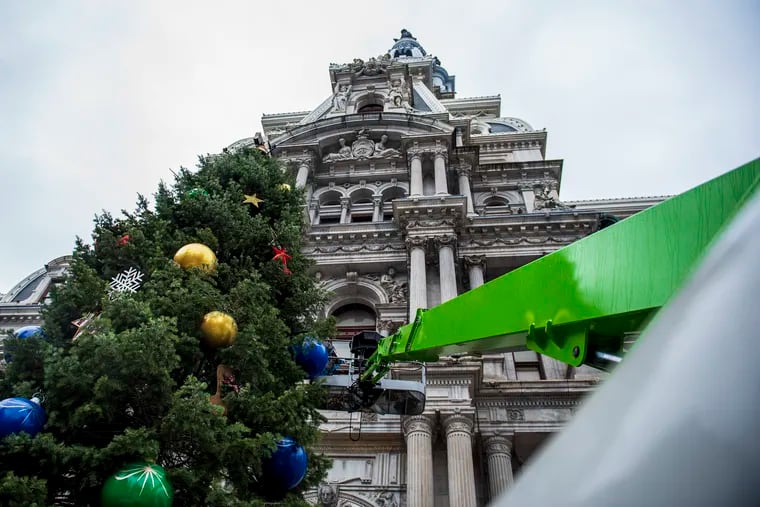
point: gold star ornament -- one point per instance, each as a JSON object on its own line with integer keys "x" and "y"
{"x": 252, "y": 199}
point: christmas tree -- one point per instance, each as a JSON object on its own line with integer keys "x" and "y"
{"x": 181, "y": 360}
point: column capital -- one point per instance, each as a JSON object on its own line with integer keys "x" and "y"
{"x": 440, "y": 152}
{"x": 463, "y": 169}
{"x": 416, "y": 242}
{"x": 458, "y": 423}
{"x": 391, "y": 326}
{"x": 415, "y": 152}
{"x": 475, "y": 260}
{"x": 498, "y": 444}
{"x": 417, "y": 424}
{"x": 445, "y": 240}
{"x": 345, "y": 201}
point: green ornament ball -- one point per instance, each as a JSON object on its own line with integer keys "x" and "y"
{"x": 138, "y": 485}
{"x": 195, "y": 192}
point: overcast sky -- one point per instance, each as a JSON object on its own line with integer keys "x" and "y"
{"x": 99, "y": 100}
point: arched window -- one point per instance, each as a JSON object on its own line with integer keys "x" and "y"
{"x": 362, "y": 206}
{"x": 388, "y": 196}
{"x": 351, "y": 319}
{"x": 371, "y": 108}
{"x": 497, "y": 206}
{"x": 329, "y": 208}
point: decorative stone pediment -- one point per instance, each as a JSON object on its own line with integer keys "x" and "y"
{"x": 372, "y": 67}
{"x": 362, "y": 148}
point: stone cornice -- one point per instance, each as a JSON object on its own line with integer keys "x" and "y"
{"x": 421, "y": 208}
{"x": 335, "y": 125}
{"x": 516, "y": 175}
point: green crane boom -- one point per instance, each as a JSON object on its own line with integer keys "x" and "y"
{"x": 576, "y": 304}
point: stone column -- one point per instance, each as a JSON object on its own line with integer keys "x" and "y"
{"x": 415, "y": 180}
{"x": 377, "y": 212}
{"x": 439, "y": 163}
{"x": 313, "y": 212}
{"x": 446, "y": 267}
{"x": 475, "y": 269}
{"x": 345, "y": 218}
{"x": 498, "y": 451}
{"x": 417, "y": 276}
{"x": 304, "y": 166}
{"x": 458, "y": 135}
{"x": 418, "y": 433}
{"x": 459, "y": 456}
{"x": 464, "y": 188}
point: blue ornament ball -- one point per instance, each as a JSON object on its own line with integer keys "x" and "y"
{"x": 21, "y": 414}
{"x": 312, "y": 356}
{"x": 286, "y": 467}
{"x": 29, "y": 331}
{"x": 24, "y": 333}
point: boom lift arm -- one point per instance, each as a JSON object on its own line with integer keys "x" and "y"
{"x": 577, "y": 303}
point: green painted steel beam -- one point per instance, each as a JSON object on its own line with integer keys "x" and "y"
{"x": 592, "y": 291}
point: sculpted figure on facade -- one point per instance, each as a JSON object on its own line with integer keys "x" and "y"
{"x": 381, "y": 151}
{"x": 396, "y": 93}
{"x": 342, "y": 154}
{"x": 363, "y": 148}
{"x": 340, "y": 97}
{"x": 387, "y": 499}
{"x": 396, "y": 291}
{"x": 545, "y": 198}
{"x": 327, "y": 495}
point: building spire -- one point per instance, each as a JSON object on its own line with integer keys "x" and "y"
{"x": 407, "y": 46}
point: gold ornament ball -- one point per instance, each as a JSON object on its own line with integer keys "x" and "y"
{"x": 219, "y": 329}
{"x": 284, "y": 186}
{"x": 196, "y": 255}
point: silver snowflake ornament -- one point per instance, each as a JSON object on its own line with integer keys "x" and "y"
{"x": 126, "y": 281}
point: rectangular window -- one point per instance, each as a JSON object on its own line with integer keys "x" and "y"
{"x": 527, "y": 365}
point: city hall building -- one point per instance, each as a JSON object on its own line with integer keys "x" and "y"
{"x": 415, "y": 195}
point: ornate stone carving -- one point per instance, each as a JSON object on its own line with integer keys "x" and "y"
{"x": 341, "y": 93}
{"x": 416, "y": 242}
{"x": 363, "y": 148}
{"x": 387, "y": 499}
{"x": 458, "y": 423}
{"x": 497, "y": 444}
{"x": 464, "y": 169}
{"x": 389, "y": 325}
{"x": 545, "y": 198}
{"x": 475, "y": 260}
{"x": 397, "y": 291}
{"x": 329, "y": 249}
{"x": 417, "y": 424}
{"x": 372, "y": 67}
{"x": 398, "y": 94}
{"x": 327, "y": 495}
{"x": 419, "y": 224}
{"x": 445, "y": 240}
{"x": 343, "y": 153}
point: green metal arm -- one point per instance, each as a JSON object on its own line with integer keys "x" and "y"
{"x": 582, "y": 298}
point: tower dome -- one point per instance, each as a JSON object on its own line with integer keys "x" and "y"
{"x": 407, "y": 46}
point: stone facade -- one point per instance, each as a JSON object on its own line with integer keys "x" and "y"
{"x": 415, "y": 196}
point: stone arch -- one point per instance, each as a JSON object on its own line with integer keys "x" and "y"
{"x": 506, "y": 196}
{"x": 328, "y": 193}
{"x": 322, "y": 135}
{"x": 344, "y": 498}
{"x": 362, "y": 291}
{"x": 386, "y": 187}
{"x": 359, "y": 194}
{"x": 368, "y": 98}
